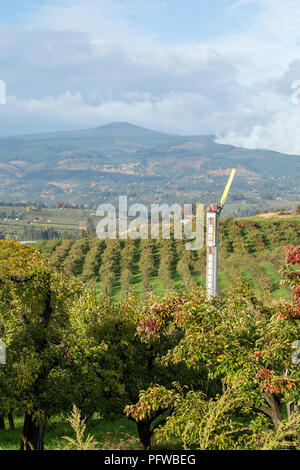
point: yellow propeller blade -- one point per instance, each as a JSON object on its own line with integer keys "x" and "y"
{"x": 226, "y": 191}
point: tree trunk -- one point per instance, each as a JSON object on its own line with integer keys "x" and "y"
{"x": 296, "y": 407}
{"x": 144, "y": 433}
{"x": 275, "y": 412}
{"x": 2, "y": 423}
{"x": 32, "y": 435}
{"x": 289, "y": 410}
{"x": 11, "y": 422}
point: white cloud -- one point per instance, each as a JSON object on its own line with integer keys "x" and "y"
{"x": 267, "y": 55}
{"x": 175, "y": 112}
{"x": 70, "y": 79}
{"x": 280, "y": 133}
{"x": 84, "y": 63}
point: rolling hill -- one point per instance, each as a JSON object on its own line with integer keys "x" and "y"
{"x": 87, "y": 167}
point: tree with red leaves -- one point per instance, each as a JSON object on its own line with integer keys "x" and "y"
{"x": 247, "y": 343}
{"x": 291, "y": 277}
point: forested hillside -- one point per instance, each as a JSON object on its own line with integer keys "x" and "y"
{"x": 88, "y": 167}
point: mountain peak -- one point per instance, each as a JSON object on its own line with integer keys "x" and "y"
{"x": 127, "y": 126}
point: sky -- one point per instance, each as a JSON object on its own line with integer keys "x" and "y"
{"x": 225, "y": 67}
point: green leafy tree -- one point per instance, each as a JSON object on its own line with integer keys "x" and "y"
{"x": 160, "y": 329}
{"x": 247, "y": 344}
{"x": 146, "y": 262}
{"x": 90, "y": 270}
{"x": 35, "y": 301}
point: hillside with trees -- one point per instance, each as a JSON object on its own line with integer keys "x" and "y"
{"x": 250, "y": 250}
{"x": 88, "y": 167}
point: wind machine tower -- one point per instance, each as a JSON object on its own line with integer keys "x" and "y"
{"x": 212, "y": 228}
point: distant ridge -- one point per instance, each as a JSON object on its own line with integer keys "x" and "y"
{"x": 88, "y": 165}
{"x": 111, "y": 127}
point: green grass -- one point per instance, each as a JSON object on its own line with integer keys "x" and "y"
{"x": 198, "y": 278}
{"x": 108, "y": 434}
{"x": 157, "y": 286}
{"x": 178, "y": 281}
{"x": 257, "y": 218}
{"x": 223, "y": 281}
{"x": 276, "y": 290}
{"x": 249, "y": 278}
{"x": 120, "y": 434}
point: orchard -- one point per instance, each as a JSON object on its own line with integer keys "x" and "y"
{"x": 207, "y": 374}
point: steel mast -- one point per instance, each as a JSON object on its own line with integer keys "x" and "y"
{"x": 212, "y": 228}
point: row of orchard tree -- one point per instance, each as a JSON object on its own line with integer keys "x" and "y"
{"x": 248, "y": 249}
{"x": 213, "y": 374}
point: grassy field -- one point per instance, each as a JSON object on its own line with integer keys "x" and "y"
{"x": 275, "y": 216}
{"x": 119, "y": 434}
{"x": 21, "y": 222}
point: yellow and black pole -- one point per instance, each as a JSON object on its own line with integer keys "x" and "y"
{"x": 212, "y": 228}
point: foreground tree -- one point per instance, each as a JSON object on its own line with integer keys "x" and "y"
{"x": 159, "y": 329}
{"x": 104, "y": 364}
{"x": 249, "y": 346}
{"x": 35, "y": 301}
